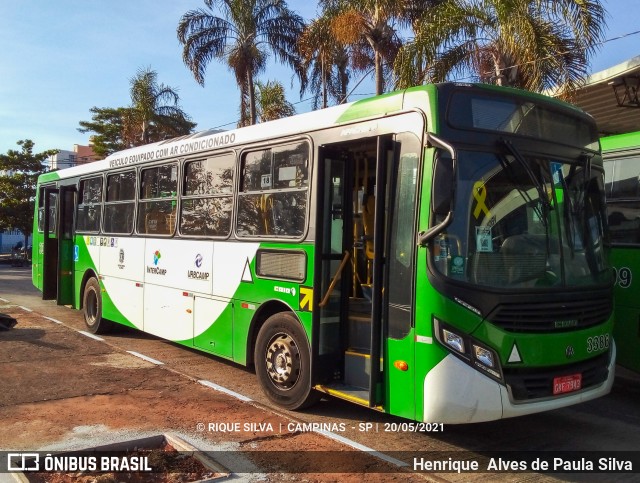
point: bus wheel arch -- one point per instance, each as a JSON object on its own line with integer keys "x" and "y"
{"x": 87, "y": 275}
{"x": 282, "y": 358}
{"x": 92, "y": 306}
{"x": 263, "y": 313}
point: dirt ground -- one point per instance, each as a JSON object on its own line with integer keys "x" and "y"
{"x": 62, "y": 390}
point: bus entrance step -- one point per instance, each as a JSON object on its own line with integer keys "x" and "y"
{"x": 357, "y": 368}
{"x": 359, "y": 332}
{"x": 354, "y": 394}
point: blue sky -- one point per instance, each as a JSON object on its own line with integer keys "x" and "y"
{"x": 60, "y": 58}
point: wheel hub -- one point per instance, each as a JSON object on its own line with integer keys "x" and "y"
{"x": 283, "y": 361}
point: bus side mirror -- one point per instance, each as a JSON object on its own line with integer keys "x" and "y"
{"x": 442, "y": 186}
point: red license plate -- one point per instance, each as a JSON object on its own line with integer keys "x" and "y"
{"x": 565, "y": 384}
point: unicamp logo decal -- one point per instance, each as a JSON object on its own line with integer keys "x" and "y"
{"x": 198, "y": 274}
{"x": 155, "y": 270}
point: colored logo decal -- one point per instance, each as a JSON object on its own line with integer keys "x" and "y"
{"x": 306, "y": 299}
{"x": 198, "y": 274}
{"x": 156, "y": 257}
{"x": 76, "y": 253}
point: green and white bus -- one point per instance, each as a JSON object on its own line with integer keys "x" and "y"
{"x": 621, "y": 155}
{"x": 434, "y": 253}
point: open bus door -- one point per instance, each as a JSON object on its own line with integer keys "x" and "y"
{"x": 365, "y": 271}
{"x": 58, "y": 250}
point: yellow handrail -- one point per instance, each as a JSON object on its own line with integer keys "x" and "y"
{"x": 332, "y": 285}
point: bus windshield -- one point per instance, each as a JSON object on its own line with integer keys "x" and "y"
{"x": 522, "y": 222}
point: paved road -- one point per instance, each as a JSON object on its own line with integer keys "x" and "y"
{"x": 610, "y": 424}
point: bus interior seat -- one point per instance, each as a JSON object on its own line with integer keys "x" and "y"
{"x": 525, "y": 257}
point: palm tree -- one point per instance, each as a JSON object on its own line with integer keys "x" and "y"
{"x": 271, "y": 101}
{"x": 531, "y": 44}
{"x": 325, "y": 62}
{"x": 368, "y": 27}
{"x": 243, "y": 37}
{"x": 154, "y": 111}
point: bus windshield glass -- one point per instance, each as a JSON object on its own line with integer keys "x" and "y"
{"x": 522, "y": 222}
{"x": 487, "y": 112}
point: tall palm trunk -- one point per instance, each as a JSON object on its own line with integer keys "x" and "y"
{"x": 252, "y": 96}
{"x": 379, "y": 72}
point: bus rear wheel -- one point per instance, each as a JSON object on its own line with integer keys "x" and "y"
{"x": 283, "y": 363}
{"x": 92, "y": 308}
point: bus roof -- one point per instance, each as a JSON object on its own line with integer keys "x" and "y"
{"x": 208, "y": 140}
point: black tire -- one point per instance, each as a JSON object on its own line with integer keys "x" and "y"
{"x": 283, "y": 362}
{"x": 92, "y": 308}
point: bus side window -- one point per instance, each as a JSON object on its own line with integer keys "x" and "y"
{"x": 623, "y": 189}
{"x": 272, "y": 201}
{"x": 119, "y": 204}
{"x": 90, "y": 205}
{"x": 158, "y": 200}
{"x": 207, "y": 199}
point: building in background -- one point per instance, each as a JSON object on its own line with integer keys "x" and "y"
{"x": 67, "y": 159}
{"x": 64, "y": 159}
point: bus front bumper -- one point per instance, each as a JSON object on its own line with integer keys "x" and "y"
{"x": 455, "y": 393}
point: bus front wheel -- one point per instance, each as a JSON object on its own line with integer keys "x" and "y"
{"x": 92, "y": 307}
{"x": 283, "y": 362}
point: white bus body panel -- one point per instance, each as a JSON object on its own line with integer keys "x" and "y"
{"x": 456, "y": 393}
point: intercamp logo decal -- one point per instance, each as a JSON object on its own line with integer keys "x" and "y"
{"x": 156, "y": 270}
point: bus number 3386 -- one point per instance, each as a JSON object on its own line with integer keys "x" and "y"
{"x": 597, "y": 343}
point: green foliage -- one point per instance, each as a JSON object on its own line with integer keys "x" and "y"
{"x": 370, "y": 30}
{"x": 242, "y": 37}
{"x": 272, "y": 102}
{"x": 154, "y": 115}
{"x": 325, "y": 62}
{"x": 531, "y": 44}
{"x": 108, "y": 125}
{"x": 154, "y": 110}
{"x": 19, "y": 171}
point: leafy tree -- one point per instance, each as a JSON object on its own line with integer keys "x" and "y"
{"x": 370, "y": 28}
{"x": 108, "y": 126}
{"x": 19, "y": 170}
{"x": 271, "y": 101}
{"x": 154, "y": 115}
{"x": 154, "y": 107}
{"x": 325, "y": 62}
{"x": 531, "y": 44}
{"x": 243, "y": 37}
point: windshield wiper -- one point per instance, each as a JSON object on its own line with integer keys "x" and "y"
{"x": 506, "y": 165}
{"x": 539, "y": 186}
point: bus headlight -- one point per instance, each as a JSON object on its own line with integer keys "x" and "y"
{"x": 453, "y": 340}
{"x": 483, "y": 355}
{"x": 466, "y": 348}
{"x": 487, "y": 360}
